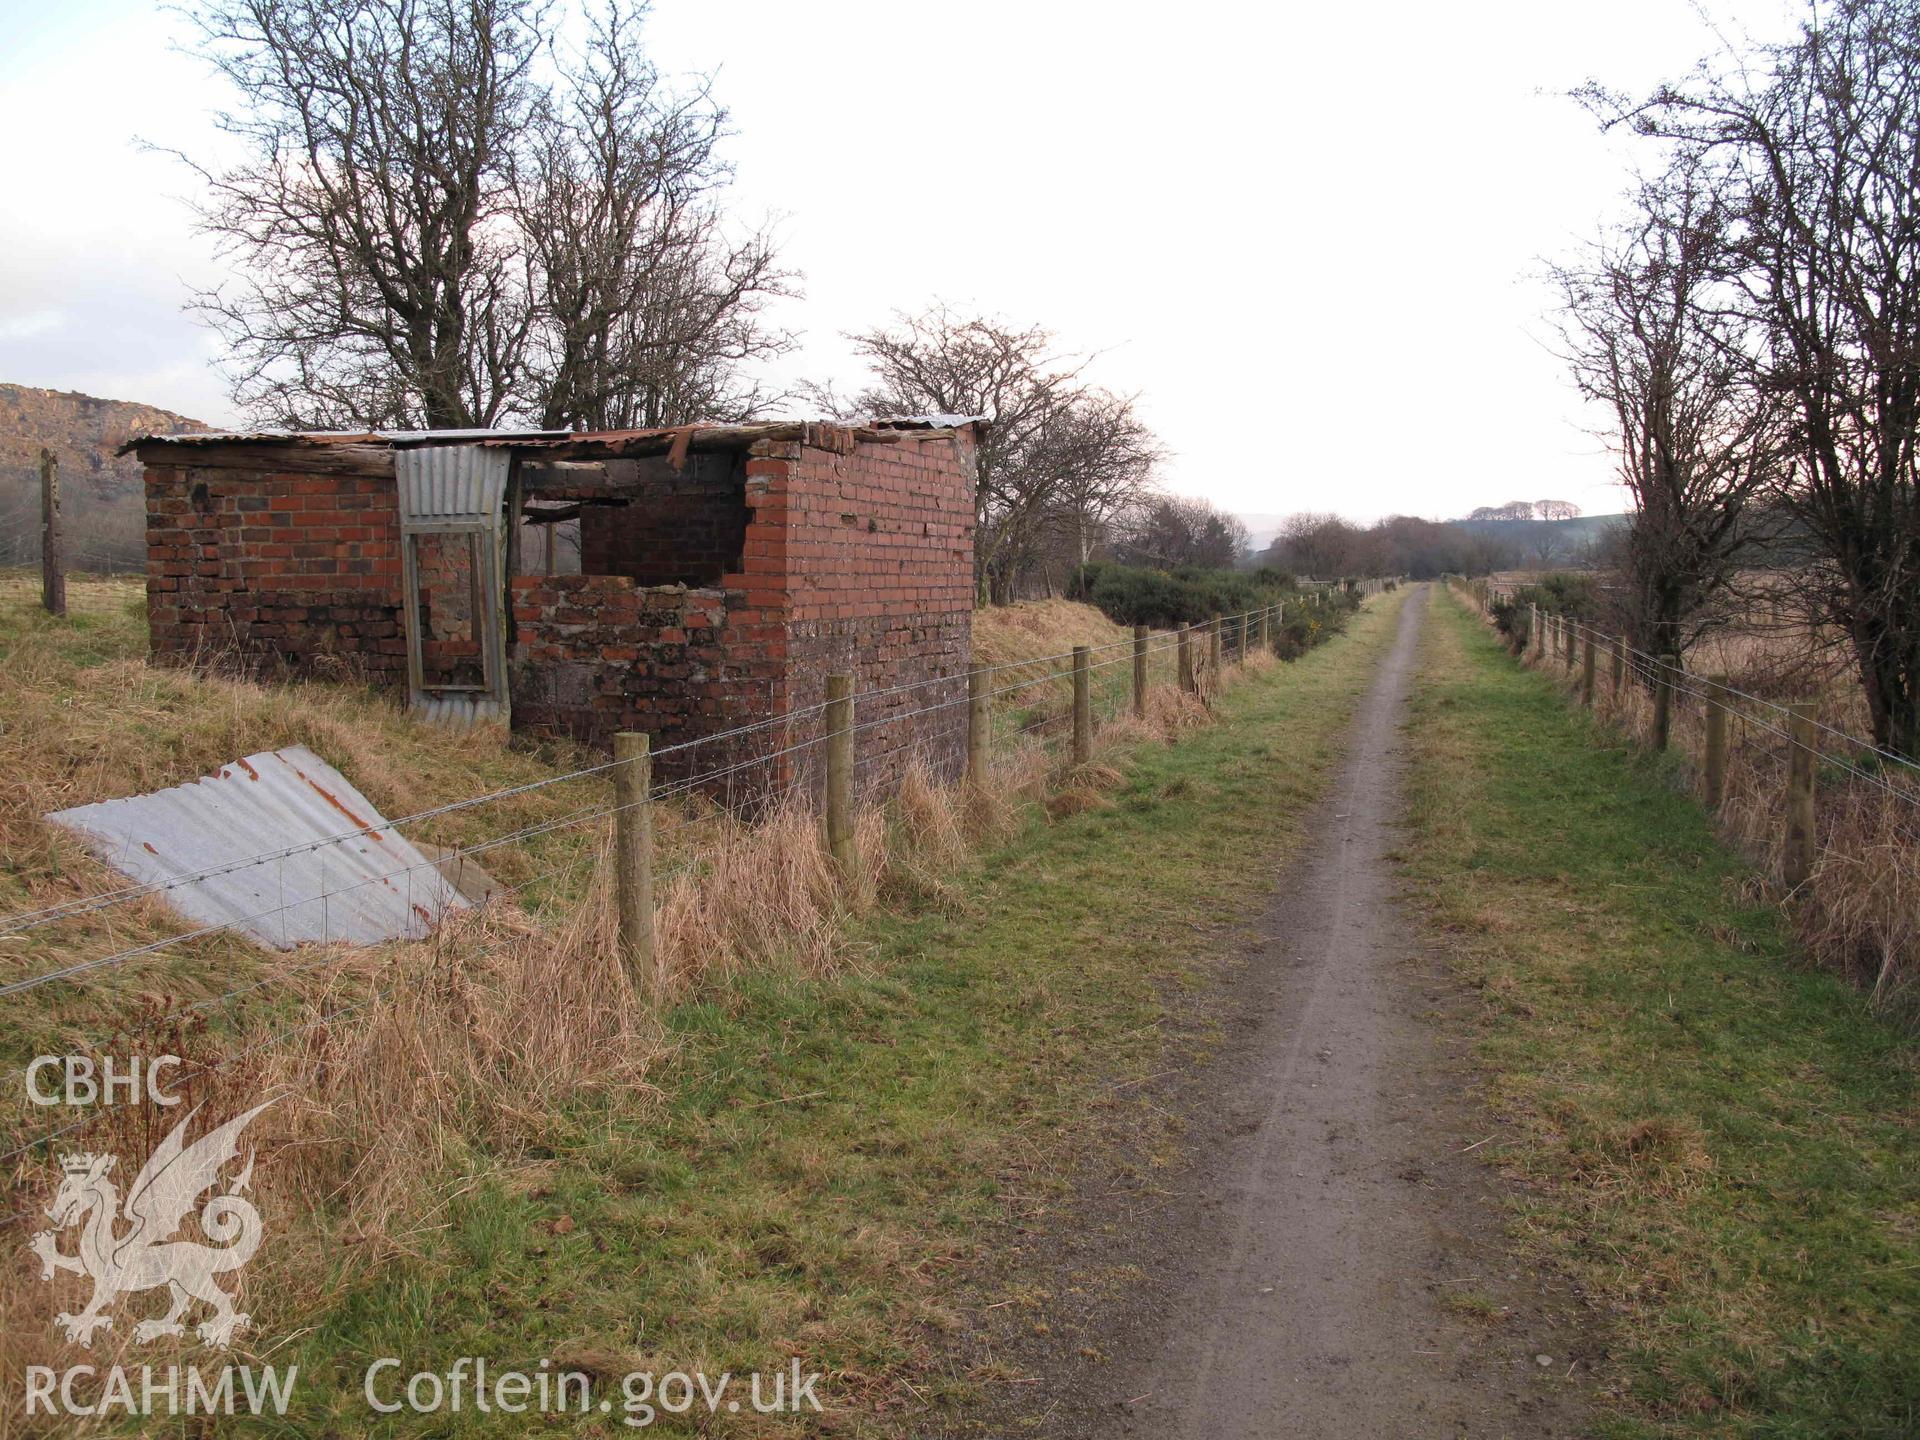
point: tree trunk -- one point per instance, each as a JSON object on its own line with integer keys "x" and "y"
{"x": 1887, "y": 678}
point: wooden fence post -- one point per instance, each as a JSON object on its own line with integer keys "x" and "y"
{"x": 1619, "y": 663}
{"x": 1140, "y": 671}
{"x": 1714, "y": 762}
{"x": 1187, "y": 682}
{"x": 839, "y": 723}
{"x": 53, "y": 576}
{"x": 633, "y": 860}
{"x": 1586, "y": 672}
{"x": 1796, "y": 861}
{"x": 1573, "y": 641}
{"x": 1082, "y": 705}
{"x": 1662, "y": 703}
{"x": 1213, "y": 653}
{"x": 979, "y": 722}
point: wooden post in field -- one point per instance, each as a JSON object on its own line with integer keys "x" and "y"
{"x": 979, "y": 722}
{"x": 1188, "y": 684}
{"x": 1796, "y": 860}
{"x": 1082, "y": 705}
{"x": 1714, "y": 762}
{"x": 1213, "y": 653}
{"x": 633, "y": 860}
{"x": 53, "y": 577}
{"x": 839, "y": 723}
{"x": 1533, "y": 629}
{"x": 1266, "y": 616}
{"x": 1662, "y": 703}
{"x": 1587, "y": 660}
{"x": 1619, "y": 663}
{"x": 1140, "y": 671}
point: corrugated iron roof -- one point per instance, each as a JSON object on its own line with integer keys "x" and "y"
{"x": 322, "y": 438}
{"x": 195, "y": 842}
{"x": 614, "y": 442}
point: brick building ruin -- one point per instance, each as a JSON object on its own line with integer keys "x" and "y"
{"x": 724, "y": 572}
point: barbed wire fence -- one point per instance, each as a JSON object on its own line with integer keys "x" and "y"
{"x": 825, "y": 756}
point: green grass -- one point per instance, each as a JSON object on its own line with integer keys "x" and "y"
{"x": 826, "y": 1159}
{"x": 1716, "y": 1140}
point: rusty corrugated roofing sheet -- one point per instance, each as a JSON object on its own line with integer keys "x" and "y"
{"x": 615, "y": 442}
{"x": 322, "y": 438}
{"x": 201, "y": 845}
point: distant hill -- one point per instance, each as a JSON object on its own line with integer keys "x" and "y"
{"x": 101, "y": 501}
{"x": 1547, "y": 542}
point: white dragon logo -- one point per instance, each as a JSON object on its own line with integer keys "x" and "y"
{"x": 147, "y": 1256}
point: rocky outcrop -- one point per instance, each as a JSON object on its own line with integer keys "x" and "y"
{"x": 102, "y": 506}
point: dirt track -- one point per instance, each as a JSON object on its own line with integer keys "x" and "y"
{"x": 1322, "y": 1269}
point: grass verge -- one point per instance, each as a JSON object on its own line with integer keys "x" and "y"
{"x": 816, "y": 1163}
{"x": 1715, "y": 1139}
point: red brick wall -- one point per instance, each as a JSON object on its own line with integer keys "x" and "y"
{"x": 860, "y": 559}
{"x": 282, "y": 565}
{"x": 685, "y": 530}
{"x": 596, "y": 654}
{"x": 855, "y": 557}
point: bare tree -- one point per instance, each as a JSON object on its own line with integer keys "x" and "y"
{"x": 1817, "y": 146}
{"x": 1555, "y": 510}
{"x": 1056, "y": 448}
{"x": 645, "y": 311}
{"x": 437, "y": 222}
{"x": 1546, "y": 548}
{"x": 1315, "y": 544}
{"x": 1102, "y": 459}
{"x": 1170, "y": 531}
{"x": 1648, "y": 335}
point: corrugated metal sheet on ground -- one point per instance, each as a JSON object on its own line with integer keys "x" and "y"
{"x": 362, "y": 889}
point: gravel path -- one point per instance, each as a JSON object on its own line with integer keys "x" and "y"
{"x": 1332, "y": 1264}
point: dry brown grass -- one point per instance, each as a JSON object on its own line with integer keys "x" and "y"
{"x": 1013, "y": 634}
{"x": 84, "y": 717}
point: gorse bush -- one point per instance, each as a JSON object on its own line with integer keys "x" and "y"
{"x": 1575, "y": 595}
{"x": 1312, "y": 620}
{"x": 1135, "y": 595}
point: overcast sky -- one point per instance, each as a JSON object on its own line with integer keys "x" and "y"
{"x": 1305, "y": 236}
